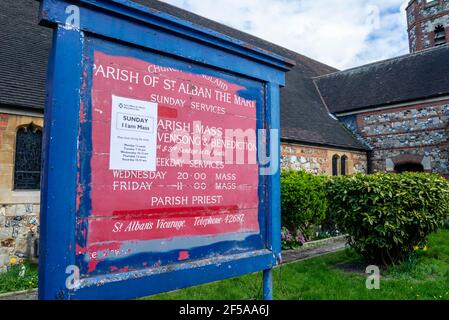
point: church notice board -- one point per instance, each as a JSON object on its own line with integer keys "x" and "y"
{"x": 154, "y": 177}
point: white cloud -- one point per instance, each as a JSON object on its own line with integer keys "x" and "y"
{"x": 341, "y": 33}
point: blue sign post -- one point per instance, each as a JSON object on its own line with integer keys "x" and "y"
{"x": 161, "y": 154}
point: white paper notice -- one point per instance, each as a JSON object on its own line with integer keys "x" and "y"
{"x": 133, "y": 135}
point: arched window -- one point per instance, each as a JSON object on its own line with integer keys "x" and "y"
{"x": 440, "y": 35}
{"x": 335, "y": 160}
{"x": 344, "y": 165}
{"x": 27, "y": 163}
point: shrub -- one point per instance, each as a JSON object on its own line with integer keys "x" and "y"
{"x": 387, "y": 215}
{"x": 303, "y": 202}
{"x": 19, "y": 277}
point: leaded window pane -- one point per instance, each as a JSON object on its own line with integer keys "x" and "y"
{"x": 335, "y": 165}
{"x": 27, "y": 166}
{"x": 344, "y": 162}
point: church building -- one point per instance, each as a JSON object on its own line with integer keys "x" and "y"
{"x": 400, "y": 107}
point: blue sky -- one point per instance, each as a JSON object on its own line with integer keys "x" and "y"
{"x": 341, "y": 33}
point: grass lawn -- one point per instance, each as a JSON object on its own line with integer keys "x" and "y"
{"x": 336, "y": 276}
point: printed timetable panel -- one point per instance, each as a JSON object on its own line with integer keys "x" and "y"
{"x": 170, "y": 157}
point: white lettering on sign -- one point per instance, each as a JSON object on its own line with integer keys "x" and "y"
{"x": 133, "y": 135}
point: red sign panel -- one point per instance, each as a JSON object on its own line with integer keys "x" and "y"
{"x": 173, "y": 154}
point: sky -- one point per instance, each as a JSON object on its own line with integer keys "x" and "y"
{"x": 340, "y": 33}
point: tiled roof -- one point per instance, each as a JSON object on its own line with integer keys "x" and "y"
{"x": 25, "y": 47}
{"x": 24, "y": 51}
{"x": 412, "y": 77}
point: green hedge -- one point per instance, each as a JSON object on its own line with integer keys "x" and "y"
{"x": 388, "y": 215}
{"x": 303, "y": 204}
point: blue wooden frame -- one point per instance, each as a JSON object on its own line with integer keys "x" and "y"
{"x": 163, "y": 34}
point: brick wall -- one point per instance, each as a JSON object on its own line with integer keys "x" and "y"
{"x": 19, "y": 210}
{"x": 319, "y": 160}
{"x": 422, "y": 19}
{"x": 413, "y": 133}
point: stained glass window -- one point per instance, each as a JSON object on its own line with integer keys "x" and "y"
{"x": 27, "y": 163}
